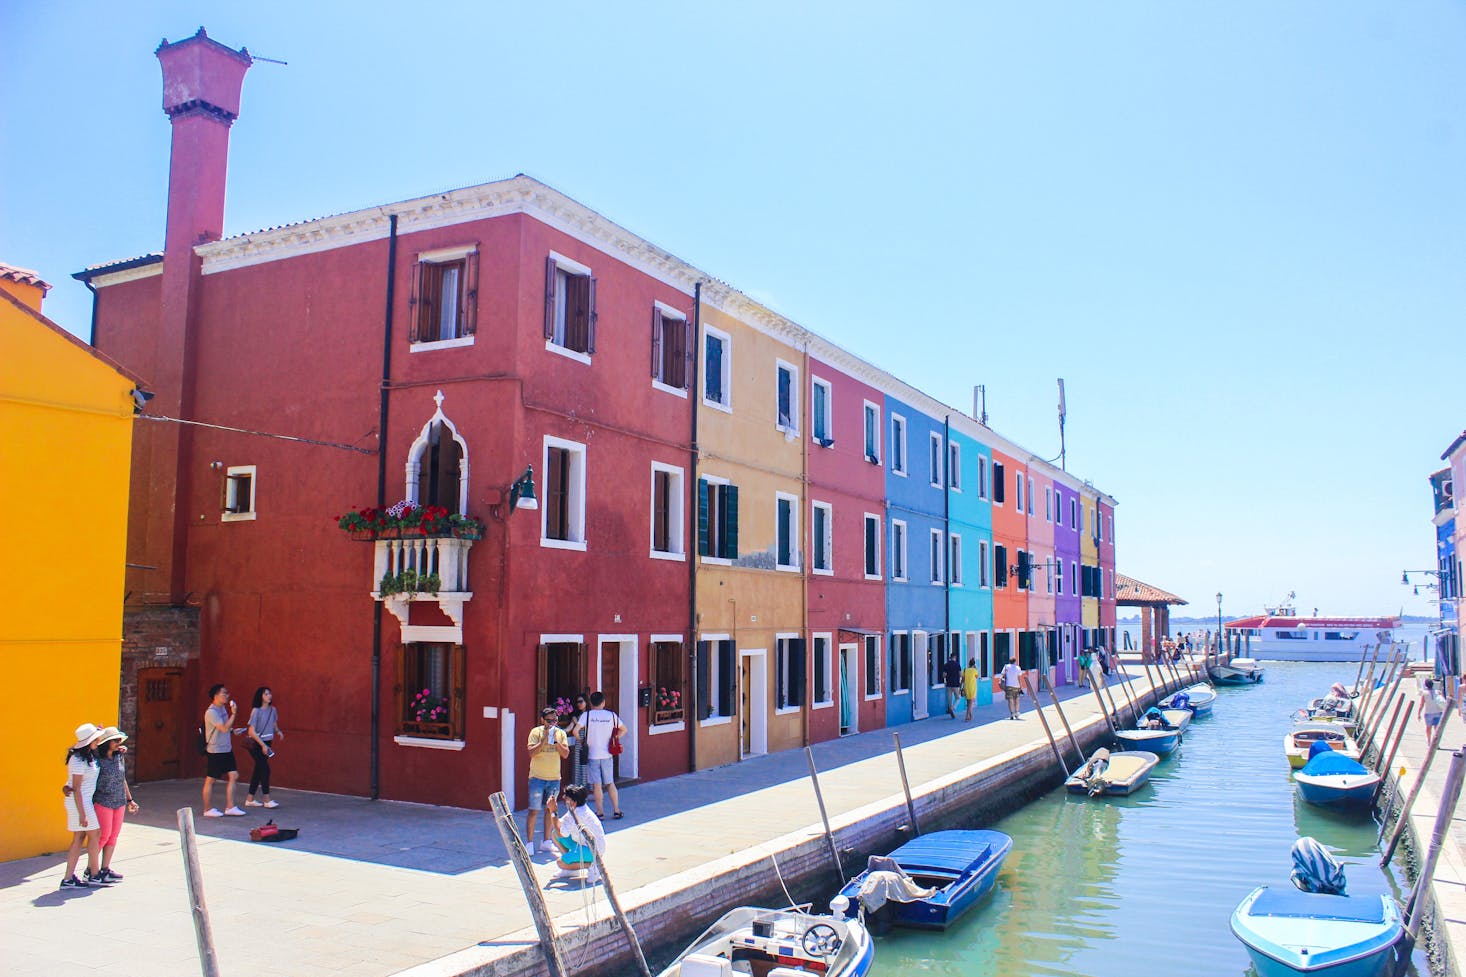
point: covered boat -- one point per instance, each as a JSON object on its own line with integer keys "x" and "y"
{"x": 928, "y": 882}
{"x": 1319, "y": 930}
{"x": 1237, "y": 671}
{"x": 1157, "y": 730}
{"x": 1198, "y": 698}
{"x": 1331, "y": 779}
{"x": 1121, "y": 772}
{"x": 777, "y": 943}
{"x": 1300, "y": 739}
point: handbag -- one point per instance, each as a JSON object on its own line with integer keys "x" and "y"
{"x": 614, "y": 747}
{"x": 269, "y": 831}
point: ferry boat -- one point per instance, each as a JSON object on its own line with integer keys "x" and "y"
{"x": 1282, "y": 634}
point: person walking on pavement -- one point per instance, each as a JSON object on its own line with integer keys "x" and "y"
{"x": 952, "y": 678}
{"x": 969, "y": 686}
{"x": 1012, "y": 687}
{"x": 548, "y": 746}
{"x": 598, "y": 727}
{"x": 219, "y": 748}
{"x": 260, "y": 736}
{"x": 112, "y": 800}
{"x": 1432, "y": 706}
{"x": 81, "y": 818}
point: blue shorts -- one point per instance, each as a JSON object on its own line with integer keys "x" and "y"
{"x": 576, "y": 854}
{"x": 1434, "y": 721}
{"x": 600, "y": 771}
{"x": 542, "y": 791}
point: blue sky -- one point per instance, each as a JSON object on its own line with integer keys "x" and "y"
{"x": 1237, "y": 229}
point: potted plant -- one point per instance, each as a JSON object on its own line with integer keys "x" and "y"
{"x": 407, "y": 519}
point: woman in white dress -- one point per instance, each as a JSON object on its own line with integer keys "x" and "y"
{"x": 81, "y": 817}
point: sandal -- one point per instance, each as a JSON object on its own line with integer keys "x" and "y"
{"x": 618, "y": 815}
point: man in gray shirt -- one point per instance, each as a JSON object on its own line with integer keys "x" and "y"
{"x": 218, "y": 728}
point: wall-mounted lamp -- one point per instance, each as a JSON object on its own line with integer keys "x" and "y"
{"x": 521, "y": 493}
{"x": 1405, "y": 580}
{"x": 217, "y": 466}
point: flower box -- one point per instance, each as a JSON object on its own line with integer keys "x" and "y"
{"x": 660, "y": 716}
{"x": 408, "y": 520}
{"x": 442, "y": 731}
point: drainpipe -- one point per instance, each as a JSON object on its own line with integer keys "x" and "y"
{"x": 804, "y": 576}
{"x": 92, "y": 337}
{"x": 947, "y": 529}
{"x": 695, "y": 398}
{"x": 376, "y": 751}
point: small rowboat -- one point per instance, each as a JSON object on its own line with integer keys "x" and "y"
{"x": 955, "y": 868}
{"x": 1300, "y": 738}
{"x": 1122, "y": 772}
{"x": 777, "y": 941}
{"x": 1161, "y": 742}
{"x": 1238, "y": 671}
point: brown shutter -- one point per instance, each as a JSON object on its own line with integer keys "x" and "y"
{"x": 657, "y": 346}
{"x": 456, "y": 681}
{"x": 412, "y": 304}
{"x": 469, "y": 307}
{"x": 687, "y": 349}
{"x": 398, "y": 704}
{"x": 541, "y": 680}
{"x": 577, "y": 312}
{"x": 549, "y": 298}
{"x": 590, "y": 333}
{"x": 584, "y": 657}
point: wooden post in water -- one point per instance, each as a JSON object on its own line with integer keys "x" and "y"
{"x": 641, "y": 963}
{"x": 1384, "y": 769}
{"x": 1114, "y": 709}
{"x": 1362, "y": 657}
{"x": 1094, "y": 685}
{"x": 1414, "y": 909}
{"x": 1379, "y": 751}
{"x": 203, "y": 932}
{"x": 1365, "y": 696}
{"x": 1124, "y": 687}
{"x": 1433, "y": 747}
{"x": 524, "y": 868}
{"x": 1379, "y": 713}
{"x": 1038, "y": 708}
{"x": 1044, "y": 679}
{"x": 906, "y": 786}
{"x": 819, "y": 797}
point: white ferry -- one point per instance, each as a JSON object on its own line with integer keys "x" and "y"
{"x": 1282, "y": 634}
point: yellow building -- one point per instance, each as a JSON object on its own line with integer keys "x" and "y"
{"x": 66, "y": 416}
{"x": 1089, "y": 557}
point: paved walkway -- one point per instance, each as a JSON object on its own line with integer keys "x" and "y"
{"x": 375, "y": 888}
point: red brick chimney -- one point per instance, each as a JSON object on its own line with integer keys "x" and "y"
{"x": 201, "y": 84}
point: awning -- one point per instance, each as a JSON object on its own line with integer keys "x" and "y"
{"x": 864, "y": 632}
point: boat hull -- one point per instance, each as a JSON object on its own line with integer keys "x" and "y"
{"x": 974, "y": 857}
{"x": 1288, "y": 933}
{"x": 1128, "y": 772}
{"x": 773, "y": 938}
{"x": 1239, "y": 671}
{"x": 1337, "y": 791}
{"x": 1161, "y": 742}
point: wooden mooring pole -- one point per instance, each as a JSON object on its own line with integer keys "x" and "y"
{"x": 1432, "y": 748}
{"x": 1038, "y": 708}
{"x": 641, "y": 963}
{"x": 194, "y": 876}
{"x": 818, "y": 796}
{"x": 1384, "y": 768}
{"x": 1094, "y": 686}
{"x": 524, "y": 868}
{"x": 906, "y": 786}
{"x": 1415, "y": 908}
{"x": 1044, "y": 680}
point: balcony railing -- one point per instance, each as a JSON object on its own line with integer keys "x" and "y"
{"x": 445, "y": 557}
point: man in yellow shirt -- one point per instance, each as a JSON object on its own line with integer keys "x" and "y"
{"x": 548, "y": 745}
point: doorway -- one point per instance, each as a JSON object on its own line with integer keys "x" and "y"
{"x": 920, "y": 674}
{"x": 753, "y": 703}
{"x": 155, "y": 746}
{"x": 617, "y": 672}
{"x": 849, "y": 676}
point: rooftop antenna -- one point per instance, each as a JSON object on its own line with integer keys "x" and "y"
{"x": 1062, "y": 412}
{"x": 980, "y": 403}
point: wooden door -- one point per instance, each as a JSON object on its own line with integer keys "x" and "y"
{"x": 745, "y": 706}
{"x": 611, "y": 687}
{"x": 159, "y": 715}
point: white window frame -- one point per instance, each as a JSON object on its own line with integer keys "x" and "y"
{"x": 871, "y": 453}
{"x": 984, "y": 484}
{"x": 576, "y": 503}
{"x": 794, "y": 539}
{"x": 829, "y": 639}
{"x": 938, "y": 459}
{"x": 669, "y": 315}
{"x": 898, "y": 453}
{"x": 1029, "y": 510}
{"x": 826, "y": 543}
{"x": 880, "y": 672}
{"x": 232, "y": 474}
{"x": 712, "y": 480}
{"x": 443, "y": 256}
{"x": 711, "y": 333}
{"x": 825, "y": 438}
{"x": 898, "y": 550}
{"x": 717, "y": 718}
{"x": 1058, "y": 576}
{"x": 782, "y": 661}
{"x": 1048, "y": 503}
{"x": 1074, "y": 512}
{"x": 676, "y": 517}
{"x": 790, "y": 427}
{"x": 573, "y": 269}
{"x": 910, "y": 654}
{"x": 937, "y": 557}
{"x": 879, "y": 537}
{"x": 984, "y": 567}
{"x": 954, "y": 466}
{"x": 954, "y": 558}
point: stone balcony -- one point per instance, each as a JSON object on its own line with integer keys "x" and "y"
{"x": 403, "y": 567}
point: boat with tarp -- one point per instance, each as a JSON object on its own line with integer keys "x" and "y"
{"x": 928, "y": 882}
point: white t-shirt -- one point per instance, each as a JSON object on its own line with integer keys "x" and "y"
{"x": 569, "y": 828}
{"x": 1012, "y": 675}
{"x": 599, "y": 725}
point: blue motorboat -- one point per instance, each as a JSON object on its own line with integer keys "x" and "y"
{"x": 928, "y": 882}
{"x": 1317, "y": 928}
{"x": 1157, "y": 731}
{"x": 1198, "y": 698}
{"x": 1331, "y": 779}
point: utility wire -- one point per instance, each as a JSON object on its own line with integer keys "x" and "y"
{"x": 261, "y": 434}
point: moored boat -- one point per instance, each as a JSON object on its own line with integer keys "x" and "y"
{"x": 1282, "y": 634}
{"x": 1331, "y": 779}
{"x": 1161, "y": 742}
{"x": 1198, "y": 698}
{"x": 1117, "y": 773}
{"x": 1298, "y": 741}
{"x": 784, "y": 942}
{"x": 928, "y": 882}
{"x": 1236, "y": 671}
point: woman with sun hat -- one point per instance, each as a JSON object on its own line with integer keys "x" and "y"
{"x": 81, "y": 818}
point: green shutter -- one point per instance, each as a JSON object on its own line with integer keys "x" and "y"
{"x": 798, "y": 670}
{"x": 730, "y": 519}
{"x": 704, "y": 682}
{"x": 702, "y": 517}
{"x": 726, "y": 663}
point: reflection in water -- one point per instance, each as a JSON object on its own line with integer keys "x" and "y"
{"x": 1146, "y": 884}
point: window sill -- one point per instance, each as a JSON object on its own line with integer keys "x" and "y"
{"x": 567, "y": 352}
{"x": 716, "y": 721}
{"x": 716, "y": 405}
{"x": 787, "y": 567}
{"x": 429, "y": 744}
{"x": 822, "y": 573}
{"x": 674, "y": 557}
{"x": 899, "y": 472}
{"x": 236, "y": 516}
{"x": 956, "y": 489}
{"x": 667, "y": 389}
{"x": 716, "y": 561}
{"x": 786, "y": 711}
{"x": 440, "y": 344}
{"x": 563, "y": 544}
{"x": 901, "y": 692}
{"x": 872, "y": 698}
{"x": 666, "y": 728}
{"x": 874, "y": 576}
{"x": 822, "y": 705}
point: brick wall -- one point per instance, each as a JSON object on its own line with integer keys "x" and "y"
{"x": 153, "y": 637}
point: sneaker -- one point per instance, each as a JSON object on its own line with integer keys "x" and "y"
{"x": 271, "y": 804}
{"x": 593, "y": 877}
{"x": 99, "y": 879}
{"x": 565, "y": 873}
{"x": 251, "y": 802}
{"x": 213, "y": 812}
{"x": 234, "y": 812}
{"x": 110, "y": 876}
{"x": 549, "y": 847}
{"x": 72, "y": 882}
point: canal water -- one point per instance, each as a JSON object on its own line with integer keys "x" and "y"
{"x": 1146, "y": 884}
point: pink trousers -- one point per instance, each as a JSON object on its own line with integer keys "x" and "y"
{"x": 109, "y": 820}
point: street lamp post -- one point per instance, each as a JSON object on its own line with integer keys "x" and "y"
{"x": 1219, "y": 623}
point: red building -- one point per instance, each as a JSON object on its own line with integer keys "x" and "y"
{"x": 431, "y": 350}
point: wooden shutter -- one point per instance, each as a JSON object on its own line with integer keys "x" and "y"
{"x": 730, "y": 518}
{"x": 704, "y": 681}
{"x": 999, "y": 483}
{"x": 726, "y": 677}
{"x": 590, "y": 317}
{"x": 456, "y": 686}
{"x": 1023, "y": 569}
{"x": 413, "y": 317}
{"x": 702, "y": 517}
{"x": 685, "y": 360}
{"x": 582, "y": 671}
{"x": 541, "y": 680}
{"x": 468, "y": 308}
{"x": 799, "y": 661}
{"x": 1000, "y": 566}
{"x": 399, "y": 698}
{"x": 781, "y": 667}
{"x": 657, "y": 345}
{"x": 445, "y": 489}
{"x": 549, "y": 298}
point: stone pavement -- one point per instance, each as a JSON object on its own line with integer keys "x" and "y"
{"x": 375, "y": 888}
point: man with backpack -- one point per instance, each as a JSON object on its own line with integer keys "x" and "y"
{"x": 601, "y": 729}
